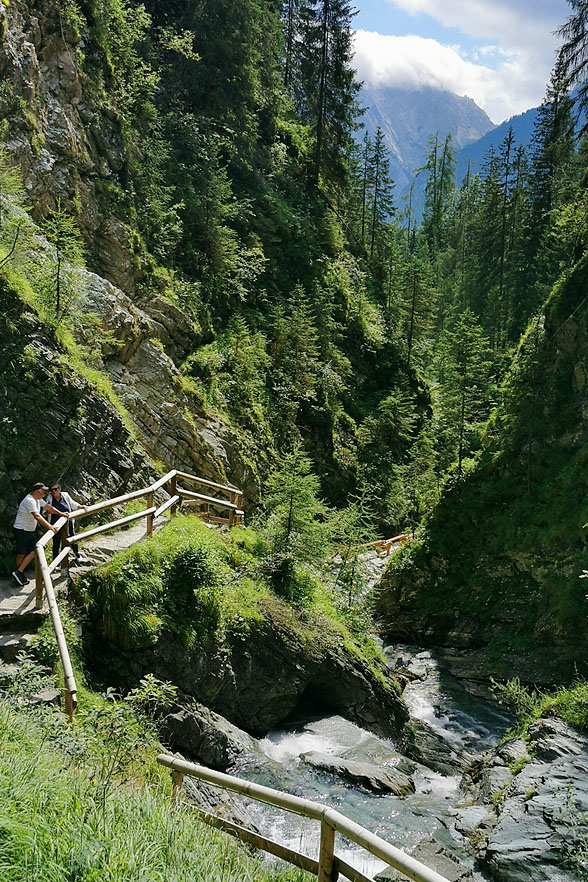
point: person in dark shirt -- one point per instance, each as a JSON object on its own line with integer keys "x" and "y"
{"x": 61, "y": 503}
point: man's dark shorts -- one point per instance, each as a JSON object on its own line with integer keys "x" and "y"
{"x": 25, "y": 540}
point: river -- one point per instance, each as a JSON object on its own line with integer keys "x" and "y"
{"x": 468, "y": 724}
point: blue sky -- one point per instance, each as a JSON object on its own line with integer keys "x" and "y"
{"x": 497, "y": 52}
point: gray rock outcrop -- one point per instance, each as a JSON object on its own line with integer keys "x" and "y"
{"x": 375, "y": 778}
{"x": 533, "y": 826}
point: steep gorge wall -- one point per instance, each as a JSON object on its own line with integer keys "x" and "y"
{"x": 52, "y": 422}
{"x": 66, "y": 138}
{"x": 494, "y": 576}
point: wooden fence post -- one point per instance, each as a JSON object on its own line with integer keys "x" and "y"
{"x": 38, "y": 583}
{"x": 177, "y": 778}
{"x": 63, "y": 536}
{"x": 172, "y": 492}
{"x": 326, "y": 872}
{"x": 150, "y": 516}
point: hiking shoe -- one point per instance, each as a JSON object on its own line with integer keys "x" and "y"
{"x": 20, "y": 578}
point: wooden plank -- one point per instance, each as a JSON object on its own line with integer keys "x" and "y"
{"x": 281, "y": 851}
{"x": 211, "y": 500}
{"x": 112, "y": 525}
{"x": 169, "y": 503}
{"x": 206, "y": 483}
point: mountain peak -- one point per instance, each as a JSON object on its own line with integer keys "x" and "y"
{"x": 409, "y": 117}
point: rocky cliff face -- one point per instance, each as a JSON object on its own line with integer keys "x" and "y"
{"x": 64, "y": 135}
{"x": 495, "y": 573}
{"x": 53, "y": 422}
{"x": 68, "y": 143}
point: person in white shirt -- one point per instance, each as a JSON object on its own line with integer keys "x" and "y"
{"x": 25, "y": 526}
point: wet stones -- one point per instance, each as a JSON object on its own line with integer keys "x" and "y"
{"x": 377, "y": 779}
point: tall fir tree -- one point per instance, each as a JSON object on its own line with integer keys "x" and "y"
{"x": 327, "y": 90}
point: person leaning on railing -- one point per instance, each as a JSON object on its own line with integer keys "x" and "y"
{"x": 61, "y": 504}
{"x": 28, "y": 516}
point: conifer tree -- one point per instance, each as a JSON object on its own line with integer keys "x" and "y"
{"x": 440, "y": 169}
{"x": 296, "y": 531}
{"x": 463, "y": 364}
{"x": 327, "y": 90}
{"x": 382, "y": 200}
{"x": 58, "y": 275}
{"x": 572, "y": 62}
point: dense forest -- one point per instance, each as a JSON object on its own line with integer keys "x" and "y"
{"x": 206, "y": 266}
{"x": 327, "y": 326}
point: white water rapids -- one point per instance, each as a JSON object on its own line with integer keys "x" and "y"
{"x": 466, "y": 723}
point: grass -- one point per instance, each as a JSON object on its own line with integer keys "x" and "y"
{"x": 202, "y": 584}
{"x": 59, "y": 818}
{"x": 569, "y": 703}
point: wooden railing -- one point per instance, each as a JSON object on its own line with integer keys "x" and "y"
{"x": 232, "y": 507}
{"x": 328, "y": 867}
{"x": 381, "y": 545}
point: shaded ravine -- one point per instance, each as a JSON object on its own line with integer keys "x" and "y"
{"x": 467, "y": 724}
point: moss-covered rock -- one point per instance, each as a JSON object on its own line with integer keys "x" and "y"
{"x": 54, "y": 425}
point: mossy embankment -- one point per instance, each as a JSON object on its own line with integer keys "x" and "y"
{"x": 87, "y": 801}
{"x": 194, "y": 606}
{"x": 496, "y": 567}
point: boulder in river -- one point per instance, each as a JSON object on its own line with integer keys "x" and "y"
{"x": 205, "y": 736}
{"x": 378, "y": 779}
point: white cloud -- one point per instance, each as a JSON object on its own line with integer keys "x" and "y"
{"x": 524, "y": 26}
{"x": 416, "y": 62}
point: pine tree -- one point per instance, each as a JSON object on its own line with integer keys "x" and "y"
{"x": 572, "y": 61}
{"x": 295, "y": 532}
{"x": 440, "y": 168}
{"x": 551, "y": 180}
{"x": 382, "y": 198}
{"x": 463, "y": 364}
{"x": 57, "y": 279}
{"x": 326, "y": 90}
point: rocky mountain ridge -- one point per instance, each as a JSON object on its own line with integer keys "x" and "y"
{"x": 410, "y": 117}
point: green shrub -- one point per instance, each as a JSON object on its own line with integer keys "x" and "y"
{"x": 192, "y": 595}
{"x": 44, "y": 644}
{"x": 124, "y": 598}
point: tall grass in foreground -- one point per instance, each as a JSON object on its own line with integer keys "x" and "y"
{"x": 55, "y": 825}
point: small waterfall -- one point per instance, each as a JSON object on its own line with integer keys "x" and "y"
{"x": 465, "y": 722}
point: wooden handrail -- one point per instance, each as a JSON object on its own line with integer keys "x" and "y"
{"x": 111, "y": 525}
{"x": 43, "y": 570}
{"x": 210, "y": 500}
{"x": 70, "y": 683}
{"x": 331, "y": 821}
{"x": 206, "y": 483}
